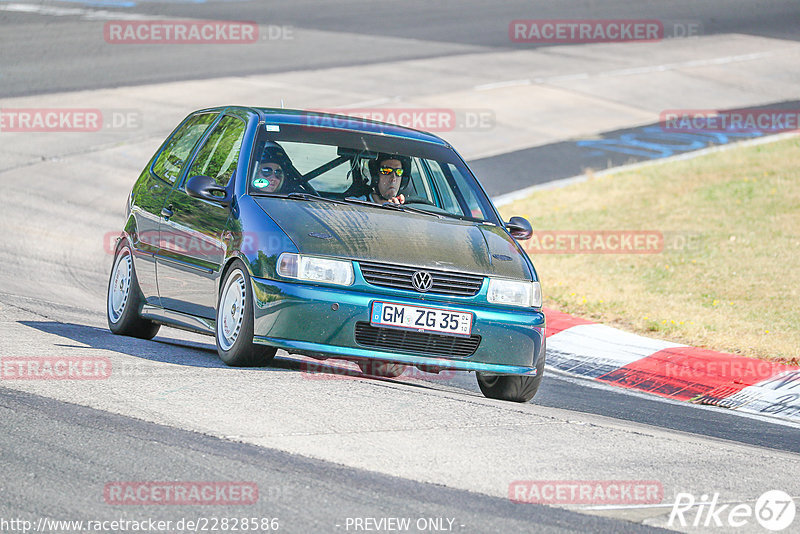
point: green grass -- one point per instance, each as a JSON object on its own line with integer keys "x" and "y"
{"x": 729, "y": 276}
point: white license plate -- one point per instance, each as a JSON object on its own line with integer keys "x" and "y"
{"x": 421, "y": 318}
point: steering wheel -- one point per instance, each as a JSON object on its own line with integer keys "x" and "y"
{"x": 307, "y": 188}
{"x": 419, "y": 200}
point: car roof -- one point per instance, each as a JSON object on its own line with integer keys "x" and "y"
{"x": 332, "y": 121}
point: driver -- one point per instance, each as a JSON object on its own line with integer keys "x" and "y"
{"x": 389, "y": 174}
{"x": 273, "y": 167}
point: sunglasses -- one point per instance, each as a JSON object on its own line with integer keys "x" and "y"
{"x": 266, "y": 171}
{"x": 389, "y": 170}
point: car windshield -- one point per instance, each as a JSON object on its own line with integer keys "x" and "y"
{"x": 347, "y": 167}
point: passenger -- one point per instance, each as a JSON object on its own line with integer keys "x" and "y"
{"x": 389, "y": 174}
{"x": 273, "y": 168}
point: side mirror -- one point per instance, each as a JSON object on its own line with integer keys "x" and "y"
{"x": 519, "y": 228}
{"x": 206, "y": 188}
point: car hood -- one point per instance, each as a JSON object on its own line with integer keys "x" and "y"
{"x": 403, "y": 238}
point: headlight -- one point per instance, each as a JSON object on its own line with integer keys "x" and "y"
{"x": 515, "y": 293}
{"x": 313, "y": 269}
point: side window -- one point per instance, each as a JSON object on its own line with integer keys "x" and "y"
{"x": 219, "y": 155}
{"x": 475, "y": 206}
{"x": 448, "y": 199}
{"x": 170, "y": 162}
{"x": 417, "y": 185}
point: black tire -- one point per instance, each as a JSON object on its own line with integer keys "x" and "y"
{"x": 514, "y": 388}
{"x": 241, "y": 351}
{"x": 125, "y": 320}
{"x": 381, "y": 368}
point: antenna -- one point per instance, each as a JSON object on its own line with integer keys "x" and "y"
{"x": 282, "y": 106}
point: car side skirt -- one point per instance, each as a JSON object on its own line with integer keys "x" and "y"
{"x": 176, "y": 319}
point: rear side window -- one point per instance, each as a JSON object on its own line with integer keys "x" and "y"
{"x": 219, "y": 155}
{"x": 170, "y": 162}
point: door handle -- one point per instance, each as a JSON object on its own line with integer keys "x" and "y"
{"x": 167, "y": 212}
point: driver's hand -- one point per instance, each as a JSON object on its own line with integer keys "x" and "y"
{"x": 399, "y": 199}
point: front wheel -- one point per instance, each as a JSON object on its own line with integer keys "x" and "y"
{"x": 515, "y": 388}
{"x": 234, "y": 331}
{"x": 124, "y": 299}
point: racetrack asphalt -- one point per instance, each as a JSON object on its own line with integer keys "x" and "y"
{"x": 52, "y": 469}
{"x": 69, "y": 55}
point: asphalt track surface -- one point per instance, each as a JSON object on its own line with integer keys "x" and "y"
{"x": 57, "y": 455}
{"x": 69, "y": 53}
{"x": 565, "y": 159}
{"x": 63, "y": 478}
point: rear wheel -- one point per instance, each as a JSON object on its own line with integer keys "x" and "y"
{"x": 380, "y": 368}
{"x": 124, "y": 299}
{"x": 515, "y": 388}
{"x": 234, "y": 331}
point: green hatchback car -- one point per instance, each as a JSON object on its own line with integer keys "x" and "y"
{"x": 330, "y": 237}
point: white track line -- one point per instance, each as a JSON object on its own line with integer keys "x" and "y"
{"x": 508, "y": 198}
{"x": 88, "y": 14}
{"x": 630, "y": 71}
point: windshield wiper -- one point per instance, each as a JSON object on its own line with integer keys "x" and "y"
{"x": 391, "y": 205}
{"x": 403, "y": 207}
{"x": 308, "y": 196}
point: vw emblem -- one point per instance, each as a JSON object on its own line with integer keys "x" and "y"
{"x": 422, "y": 281}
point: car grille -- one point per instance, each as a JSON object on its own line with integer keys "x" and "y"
{"x": 399, "y": 276}
{"x": 398, "y": 340}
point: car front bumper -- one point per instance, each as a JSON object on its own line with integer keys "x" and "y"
{"x": 321, "y": 321}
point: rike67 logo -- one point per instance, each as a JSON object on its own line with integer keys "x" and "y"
{"x": 774, "y": 510}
